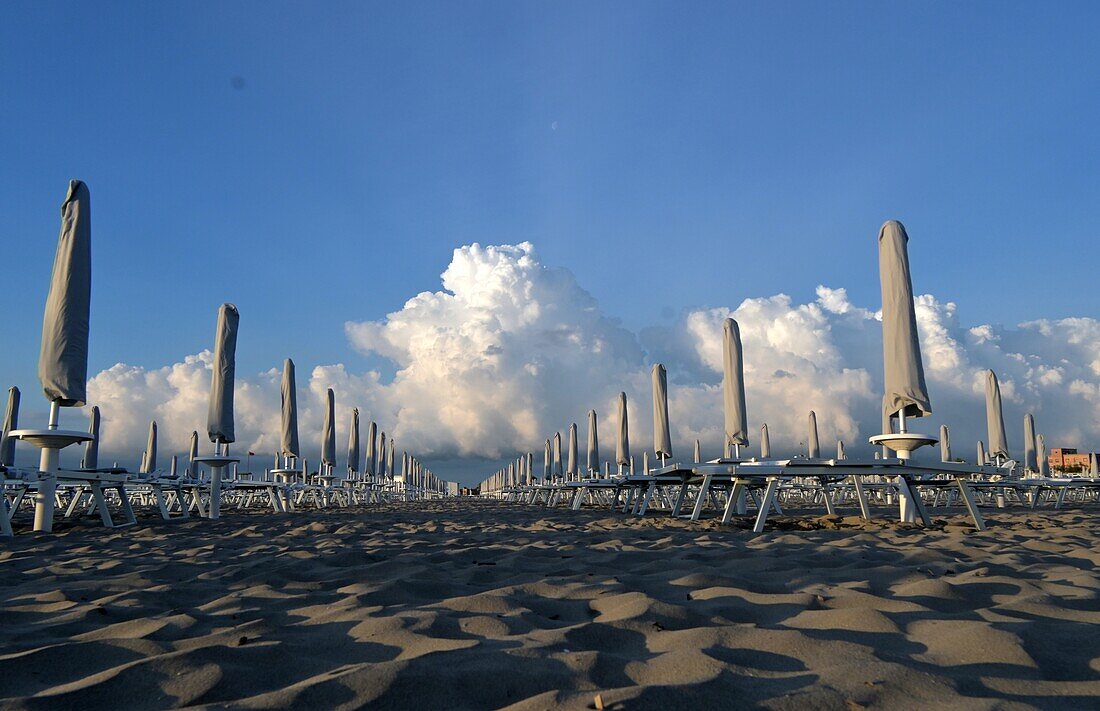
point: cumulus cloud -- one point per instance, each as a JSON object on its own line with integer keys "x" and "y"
{"x": 510, "y": 350}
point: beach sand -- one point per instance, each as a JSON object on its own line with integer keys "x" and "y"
{"x": 470, "y": 604}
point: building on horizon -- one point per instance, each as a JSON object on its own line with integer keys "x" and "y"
{"x": 1068, "y": 459}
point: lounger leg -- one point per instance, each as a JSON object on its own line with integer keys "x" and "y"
{"x": 765, "y": 505}
{"x": 646, "y": 498}
{"x": 909, "y": 493}
{"x": 701, "y": 498}
{"x": 971, "y": 506}
{"x": 737, "y": 495}
{"x": 127, "y": 509}
{"x": 679, "y": 499}
{"x": 907, "y": 511}
{"x": 5, "y": 516}
{"x": 16, "y": 503}
{"x": 825, "y": 495}
{"x": 78, "y": 496}
{"x": 101, "y": 504}
{"x": 864, "y": 509}
{"x": 159, "y": 495}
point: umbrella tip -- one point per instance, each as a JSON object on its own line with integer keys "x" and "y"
{"x": 892, "y": 227}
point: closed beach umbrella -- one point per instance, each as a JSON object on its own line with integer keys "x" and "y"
{"x": 328, "y": 431}
{"x": 370, "y": 461}
{"x": 662, "y": 437}
{"x": 530, "y": 468}
{"x": 557, "y": 455}
{"x": 149, "y": 464}
{"x": 63, "y": 358}
{"x": 91, "y": 447}
{"x": 840, "y": 450}
{"x": 1094, "y": 466}
{"x": 994, "y": 419}
{"x": 1044, "y": 463}
{"x": 389, "y": 458}
{"x": 593, "y": 444}
{"x": 982, "y": 459}
{"x": 571, "y": 462}
{"x": 697, "y": 454}
{"x": 547, "y": 461}
{"x": 733, "y": 387}
{"x": 903, "y": 368}
{"x": 193, "y": 453}
{"x": 765, "y": 442}
{"x": 1031, "y": 460}
{"x": 383, "y": 469}
{"x": 289, "y": 394}
{"x": 11, "y": 422}
{"x": 622, "y": 442}
{"x": 945, "y": 444}
{"x": 219, "y": 418}
{"x": 645, "y": 462}
{"x": 353, "y": 442}
{"x": 813, "y": 447}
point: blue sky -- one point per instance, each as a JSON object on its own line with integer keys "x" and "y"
{"x": 318, "y": 163}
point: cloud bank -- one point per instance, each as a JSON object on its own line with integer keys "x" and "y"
{"x": 511, "y": 350}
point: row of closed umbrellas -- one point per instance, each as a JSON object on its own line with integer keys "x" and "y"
{"x": 63, "y": 374}
{"x": 905, "y": 396}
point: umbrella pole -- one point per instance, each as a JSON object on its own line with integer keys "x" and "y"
{"x": 907, "y": 510}
{"x": 47, "y": 485}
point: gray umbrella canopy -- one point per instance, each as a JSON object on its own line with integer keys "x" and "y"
{"x": 765, "y": 442}
{"x": 994, "y": 419}
{"x": 1031, "y": 460}
{"x": 547, "y": 461}
{"x": 733, "y": 386}
{"x": 11, "y": 422}
{"x": 622, "y": 442}
{"x": 91, "y": 447}
{"x": 813, "y": 446}
{"x": 593, "y": 444}
{"x": 149, "y": 462}
{"x": 571, "y": 462}
{"x": 219, "y": 418}
{"x": 389, "y": 458}
{"x": 370, "y": 462}
{"x": 63, "y": 359}
{"x": 903, "y": 367}
{"x": 530, "y": 468}
{"x": 383, "y": 468}
{"x": 1094, "y": 465}
{"x": 840, "y": 450}
{"x": 353, "y": 442}
{"x": 557, "y": 455}
{"x": 662, "y": 437}
{"x": 1041, "y": 447}
{"x": 289, "y": 394}
{"x": 328, "y": 430}
{"x": 697, "y": 454}
{"x": 982, "y": 459}
{"x": 193, "y": 453}
{"x": 945, "y": 444}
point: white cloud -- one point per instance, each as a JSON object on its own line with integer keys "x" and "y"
{"x": 510, "y": 350}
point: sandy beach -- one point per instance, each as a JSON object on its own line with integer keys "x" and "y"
{"x": 479, "y": 605}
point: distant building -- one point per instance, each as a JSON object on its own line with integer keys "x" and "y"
{"x": 1067, "y": 458}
